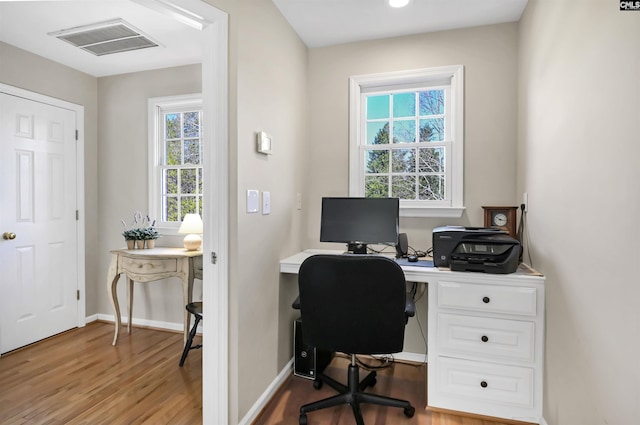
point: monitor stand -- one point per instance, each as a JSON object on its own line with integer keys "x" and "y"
{"x": 357, "y": 248}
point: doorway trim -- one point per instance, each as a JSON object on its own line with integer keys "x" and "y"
{"x": 215, "y": 94}
{"x": 79, "y": 160}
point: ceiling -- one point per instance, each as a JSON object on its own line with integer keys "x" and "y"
{"x": 25, "y": 24}
{"x": 328, "y": 22}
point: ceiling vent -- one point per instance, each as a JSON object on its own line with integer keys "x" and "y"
{"x": 106, "y": 38}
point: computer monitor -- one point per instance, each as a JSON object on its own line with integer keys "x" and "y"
{"x": 360, "y": 221}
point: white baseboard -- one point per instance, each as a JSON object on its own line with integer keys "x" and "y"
{"x": 260, "y": 404}
{"x": 170, "y": 326}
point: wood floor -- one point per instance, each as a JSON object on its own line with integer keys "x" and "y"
{"x": 404, "y": 381}
{"x": 79, "y": 378}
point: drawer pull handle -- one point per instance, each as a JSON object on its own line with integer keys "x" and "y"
{"x": 484, "y": 384}
{"x": 484, "y": 338}
{"x": 486, "y": 300}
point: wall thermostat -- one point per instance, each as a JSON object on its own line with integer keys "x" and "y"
{"x": 263, "y": 141}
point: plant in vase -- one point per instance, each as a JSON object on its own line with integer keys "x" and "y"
{"x": 150, "y": 235}
{"x": 137, "y": 235}
{"x": 130, "y": 235}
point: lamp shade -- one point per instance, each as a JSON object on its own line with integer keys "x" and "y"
{"x": 192, "y": 223}
{"x": 192, "y": 226}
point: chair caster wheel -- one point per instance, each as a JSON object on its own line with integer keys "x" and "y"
{"x": 409, "y": 411}
{"x": 303, "y": 419}
{"x": 317, "y": 384}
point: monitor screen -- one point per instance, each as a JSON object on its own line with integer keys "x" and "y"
{"x": 360, "y": 220}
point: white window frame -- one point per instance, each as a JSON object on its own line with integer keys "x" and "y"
{"x": 450, "y": 76}
{"x": 156, "y": 108}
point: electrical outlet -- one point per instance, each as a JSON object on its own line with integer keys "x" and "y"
{"x": 299, "y": 201}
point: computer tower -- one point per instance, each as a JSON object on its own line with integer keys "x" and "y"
{"x": 307, "y": 360}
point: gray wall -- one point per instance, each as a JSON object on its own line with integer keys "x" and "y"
{"x": 490, "y": 64}
{"x": 269, "y": 68}
{"x": 123, "y": 179}
{"x": 25, "y": 70}
{"x": 579, "y": 97}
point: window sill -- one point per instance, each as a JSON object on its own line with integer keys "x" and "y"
{"x": 435, "y": 212}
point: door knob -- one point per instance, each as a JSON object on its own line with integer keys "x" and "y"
{"x": 8, "y": 236}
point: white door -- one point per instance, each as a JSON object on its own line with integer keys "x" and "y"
{"x": 38, "y": 244}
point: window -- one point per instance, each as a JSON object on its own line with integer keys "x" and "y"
{"x": 175, "y": 172}
{"x": 406, "y": 139}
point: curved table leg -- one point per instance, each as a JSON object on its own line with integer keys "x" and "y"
{"x": 112, "y": 283}
{"x": 130, "y": 301}
{"x": 187, "y": 294}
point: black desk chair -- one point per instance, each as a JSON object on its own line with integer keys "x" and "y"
{"x": 354, "y": 304}
{"x": 194, "y": 308}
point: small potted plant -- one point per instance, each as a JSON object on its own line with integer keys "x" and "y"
{"x": 150, "y": 234}
{"x": 137, "y": 236}
{"x": 130, "y": 236}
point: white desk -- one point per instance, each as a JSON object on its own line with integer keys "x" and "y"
{"x": 485, "y": 339}
{"x": 148, "y": 265}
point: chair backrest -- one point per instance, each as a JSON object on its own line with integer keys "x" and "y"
{"x": 353, "y": 303}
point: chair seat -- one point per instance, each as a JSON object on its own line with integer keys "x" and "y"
{"x": 195, "y": 308}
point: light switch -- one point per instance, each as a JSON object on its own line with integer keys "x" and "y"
{"x": 266, "y": 203}
{"x": 253, "y": 201}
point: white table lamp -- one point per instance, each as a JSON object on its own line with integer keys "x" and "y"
{"x": 192, "y": 226}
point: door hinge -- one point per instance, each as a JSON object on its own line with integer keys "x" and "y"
{"x": 214, "y": 258}
{"x": 78, "y": 295}
{"x": 77, "y": 215}
{"x": 76, "y": 135}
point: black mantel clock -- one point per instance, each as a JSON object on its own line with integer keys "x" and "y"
{"x": 501, "y": 217}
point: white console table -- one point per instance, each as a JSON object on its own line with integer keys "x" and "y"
{"x": 148, "y": 265}
{"x": 485, "y": 339}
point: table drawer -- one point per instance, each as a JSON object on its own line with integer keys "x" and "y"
{"x": 148, "y": 265}
{"x": 486, "y": 382}
{"x": 487, "y": 298}
{"x": 485, "y": 337}
{"x": 197, "y": 267}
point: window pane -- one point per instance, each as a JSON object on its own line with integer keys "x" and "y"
{"x": 192, "y": 151}
{"x": 200, "y": 205}
{"x": 188, "y": 205}
{"x": 172, "y": 155}
{"x": 376, "y": 162}
{"x": 200, "y": 181}
{"x": 376, "y": 186}
{"x": 432, "y": 130}
{"x": 172, "y": 126}
{"x": 170, "y": 181}
{"x": 191, "y": 124}
{"x": 404, "y": 131}
{"x": 431, "y": 160}
{"x": 403, "y": 187}
{"x": 431, "y": 188}
{"x": 432, "y": 102}
{"x": 188, "y": 181}
{"x": 377, "y": 107}
{"x": 170, "y": 208}
{"x": 403, "y": 161}
{"x": 377, "y": 133}
{"x": 404, "y": 105}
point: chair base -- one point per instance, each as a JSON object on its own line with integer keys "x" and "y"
{"x": 195, "y": 309}
{"x": 353, "y": 394}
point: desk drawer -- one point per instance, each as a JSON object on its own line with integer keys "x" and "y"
{"x": 486, "y": 338}
{"x": 486, "y": 382}
{"x": 148, "y": 266}
{"x": 487, "y": 298}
